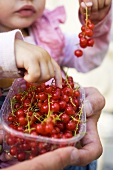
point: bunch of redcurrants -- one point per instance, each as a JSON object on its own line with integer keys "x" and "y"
{"x": 85, "y": 36}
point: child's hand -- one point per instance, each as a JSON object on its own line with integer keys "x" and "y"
{"x": 98, "y": 9}
{"x": 39, "y": 66}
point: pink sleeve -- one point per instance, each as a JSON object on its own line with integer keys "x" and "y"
{"x": 93, "y": 56}
{"x": 7, "y": 54}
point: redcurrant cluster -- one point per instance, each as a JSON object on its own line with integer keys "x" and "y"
{"x": 47, "y": 111}
{"x": 85, "y": 36}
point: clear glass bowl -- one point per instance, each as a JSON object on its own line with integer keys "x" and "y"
{"x": 27, "y": 145}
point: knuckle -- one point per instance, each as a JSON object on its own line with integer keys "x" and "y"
{"x": 41, "y": 166}
{"x": 102, "y": 99}
{"x": 52, "y": 74}
{"x": 100, "y": 151}
{"x": 48, "y": 76}
{"x": 99, "y": 97}
{"x": 45, "y": 54}
{"x": 36, "y": 76}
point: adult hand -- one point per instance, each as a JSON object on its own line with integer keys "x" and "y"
{"x": 91, "y": 147}
{"x": 98, "y": 9}
{"x": 89, "y": 150}
{"x": 39, "y": 66}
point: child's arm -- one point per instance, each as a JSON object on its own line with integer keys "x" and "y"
{"x": 39, "y": 66}
{"x": 92, "y": 56}
{"x": 16, "y": 54}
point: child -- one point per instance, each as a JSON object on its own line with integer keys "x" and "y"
{"x": 38, "y": 27}
{"x": 41, "y": 27}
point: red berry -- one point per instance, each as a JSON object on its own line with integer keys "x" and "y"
{"x": 78, "y": 53}
{"x": 13, "y": 150}
{"x": 83, "y": 41}
{"x": 88, "y": 32}
{"x": 21, "y": 156}
{"x": 91, "y": 26}
{"x": 90, "y": 42}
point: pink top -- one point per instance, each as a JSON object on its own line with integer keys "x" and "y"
{"x": 60, "y": 46}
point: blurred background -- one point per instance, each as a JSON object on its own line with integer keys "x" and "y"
{"x": 101, "y": 78}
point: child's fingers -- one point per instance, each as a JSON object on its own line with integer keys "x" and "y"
{"x": 107, "y": 2}
{"x": 84, "y": 4}
{"x": 51, "y": 69}
{"x": 95, "y": 5}
{"x": 46, "y": 70}
{"x": 33, "y": 72}
{"x": 58, "y": 74}
{"x": 101, "y": 4}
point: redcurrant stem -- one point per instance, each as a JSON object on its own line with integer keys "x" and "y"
{"x": 37, "y": 117}
{"x": 12, "y": 102}
{"x": 73, "y": 118}
{"x": 24, "y": 95}
{"x": 58, "y": 116}
{"x": 28, "y": 124}
{"x": 87, "y": 16}
{"x": 80, "y": 113}
{"x": 72, "y": 101}
{"x": 67, "y": 78}
{"x": 68, "y": 83}
{"x": 16, "y": 123}
{"x": 49, "y": 111}
{"x": 67, "y": 73}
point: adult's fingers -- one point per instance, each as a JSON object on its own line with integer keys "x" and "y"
{"x": 94, "y": 102}
{"x": 91, "y": 144}
{"x": 56, "y": 160}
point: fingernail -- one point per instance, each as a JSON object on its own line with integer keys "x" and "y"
{"x": 84, "y": 4}
{"x": 74, "y": 157}
{"x": 88, "y": 108}
{"x": 89, "y": 4}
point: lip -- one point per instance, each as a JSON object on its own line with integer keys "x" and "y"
{"x": 26, "y": 11}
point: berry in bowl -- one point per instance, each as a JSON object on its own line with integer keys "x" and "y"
{"x": 38, "y": 119}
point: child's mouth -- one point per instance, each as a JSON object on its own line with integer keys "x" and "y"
{"x": 26, "y": 11}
